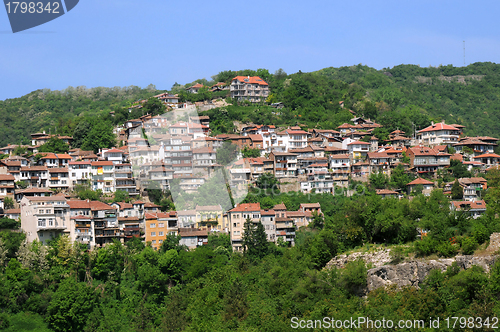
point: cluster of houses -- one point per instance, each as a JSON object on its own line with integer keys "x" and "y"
{"x": 156, "y": 151}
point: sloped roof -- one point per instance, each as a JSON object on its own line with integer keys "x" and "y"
{"x": 250, "y": 80}
{"x": 418, "y": 181}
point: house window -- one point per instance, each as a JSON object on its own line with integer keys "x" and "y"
{"x": 161, "y": 225}
{"x": 153, "y": 233}
{"x": 160, "y": 233}
{"x": 152, "y": 225}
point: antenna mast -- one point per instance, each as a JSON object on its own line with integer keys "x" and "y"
{"x": 464, "y": 52}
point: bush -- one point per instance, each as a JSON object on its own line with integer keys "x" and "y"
{"x": 425, "y": 247}
{"x": 446, "y": 249}
{"x": 469, "y": 244}
{"x": 4, "y": 321}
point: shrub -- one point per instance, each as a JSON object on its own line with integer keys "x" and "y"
{"x": 469, "y": 244}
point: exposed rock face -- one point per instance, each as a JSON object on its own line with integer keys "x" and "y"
{"x": 377, "y": 258}
{"x": 414, "y": 272}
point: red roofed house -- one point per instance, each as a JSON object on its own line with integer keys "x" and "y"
{"x": 427, "y": 186}
{"x": 237, "y": 217}
{"x": 357, "y": 149}
{"x": 488, "y": 159}
{"x": 427, "y": 160}
{"x": 253, "y": 89}
{"x": 115, "y": 155}
{"x": 438, "y": 134}
{"x": 55, "y": 159}
{"x": 474, "y": 209}
{"x": 7, "y": 184}
{"x": 194, "y": 88}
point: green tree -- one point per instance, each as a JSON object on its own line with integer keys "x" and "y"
{"x": 457, "y": 192}
{"x": 121, "y": 196}
{"x": 226, "y": 153}
{"x": 378, "y": 180}
{"x": 153, "y": 106}
{"x": 71, "y": 305}
{"x": 55, "y": 145}
{"x": 100, "y": 136}
{"x": 255, "y": 239}
{"x": 250, "y": 153}
{"x": 8, "y": 203}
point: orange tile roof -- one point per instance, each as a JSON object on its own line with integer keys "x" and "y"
{"x": 250, "y": 80}
{"x": 246, "y": 207}
{"x": 437, "y": 127}
{"x": 420, "y": 181}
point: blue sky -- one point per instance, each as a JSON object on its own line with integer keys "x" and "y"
{"x": 124, "y": 42}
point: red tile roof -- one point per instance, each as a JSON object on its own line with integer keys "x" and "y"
{"x": 250, "y": 80}
{"x": 102, "y": 163}
{"x": 420, "y": 181}
{"x": 246, "y": 207}
{"x": 437, "y": 127}
{"x": 488, "y": 155}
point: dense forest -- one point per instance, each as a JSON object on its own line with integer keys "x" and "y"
{"x": 407, "y": 97}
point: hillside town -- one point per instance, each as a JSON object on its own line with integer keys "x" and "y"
{"x": 156, "y": 152}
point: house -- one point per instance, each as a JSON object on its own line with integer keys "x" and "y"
{"x": 124, "y": 179}
{"x": 79, "y": 172}
{"x": 193, "y": 237}
{"x": 427, "y": 160}
{"x": 237, "y": 217}
{"x": 161, "y": 176}
{"x": 285, "y": 226}
{"x": 488, "y": 159}
{"x": 158, "y": 226}
{"x": 194, "y": 88}
{"x": 268, "y": 220}
{"x": 427, "y": 186}
{"x": 55, "y": 159}
{"x": 318, "y": 182}
{"x": 210, "y": 217}
{"x": 473, "y": 208}
{"x": 253, "y": 89}
{"x": 35, "y": 176}
{"x": 187, "y": 218}
{"x": 14, "y": 214}
{"x": 117, "y": 156}
{"x": 386, "y": 193}
{"x": 59, "y": 178}
{"x": 438, "y": 134}
{"x": 32, "y": 192}
{"x": 7, "y": 185}
{"x": 357, "y": 150}
{"x": 380, "y": 162}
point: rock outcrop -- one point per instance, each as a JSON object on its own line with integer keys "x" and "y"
{"x": 376, "y": 259}
{"x": 413, "y": 273}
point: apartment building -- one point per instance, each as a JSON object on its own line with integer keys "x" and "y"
{"x": 103, "y": 176}
{"x": 80, "y": 172}
{"x": 285, "y": 164}
{"x": 44, "y": 218}
{"x": 237, "y": 217}
{"x": 59, "y": 178}
{"x": 340, "y": 167}
{"x": 253, "y": 89}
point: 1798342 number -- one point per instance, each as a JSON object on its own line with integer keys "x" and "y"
{"x": 32, "y": 7}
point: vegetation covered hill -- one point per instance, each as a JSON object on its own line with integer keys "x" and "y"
{"x": 58, "y": 111}
{"x": 407, "y": 97}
